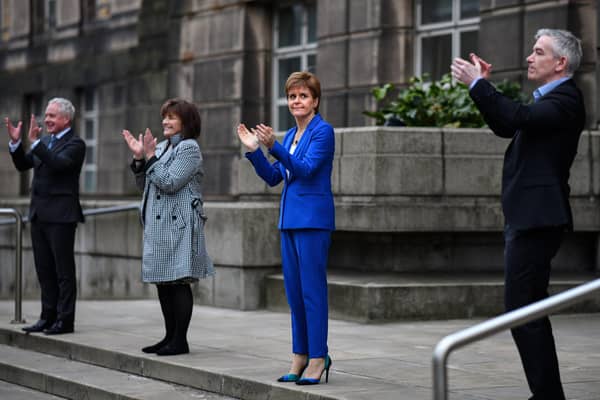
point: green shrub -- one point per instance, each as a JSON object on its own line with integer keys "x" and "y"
{"x": 442, "y": 103}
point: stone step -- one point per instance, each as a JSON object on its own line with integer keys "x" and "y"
{"x": 118, "y": 362}
{"x": 380, "y": 297}
{"x": 9, "y": 391}
{"x": 76, "y": 380}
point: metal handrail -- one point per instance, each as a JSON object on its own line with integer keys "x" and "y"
{"x": 492, "y": 326}
{"x": 111, "y": 210}
{"x": 20, "y": 221}
{"x": 18, "y": 262}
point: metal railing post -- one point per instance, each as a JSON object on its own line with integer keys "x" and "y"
{"x": 492, "y": 326}
{"x": 18, "y": 263}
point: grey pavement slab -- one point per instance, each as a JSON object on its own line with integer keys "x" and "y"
{"x": 240, "y": 353}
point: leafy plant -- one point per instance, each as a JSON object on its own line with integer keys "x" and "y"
{"x": 442, "y": 103}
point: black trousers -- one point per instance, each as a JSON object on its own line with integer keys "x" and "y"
{"x": 53, "y": 246}
{"x": 527, "y": 256}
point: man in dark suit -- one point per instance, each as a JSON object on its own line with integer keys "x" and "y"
{"x": 535, "y": 190}
{"x": 54, "y": 210}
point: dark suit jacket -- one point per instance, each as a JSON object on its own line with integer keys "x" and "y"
{"x": 55, "y": 185}
{"x": 545, "y": 134}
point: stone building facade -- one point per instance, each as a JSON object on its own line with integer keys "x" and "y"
{"x": 120, "y": 59}
{"x": 416, "y": 201}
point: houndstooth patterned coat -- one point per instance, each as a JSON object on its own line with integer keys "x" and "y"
{"x": 172, "y": 214}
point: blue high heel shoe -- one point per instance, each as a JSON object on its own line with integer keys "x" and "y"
{"x": 292, "y": 377}
{"x": 316, "y": 381}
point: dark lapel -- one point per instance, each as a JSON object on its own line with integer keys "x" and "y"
{"x": 59, "y": 142}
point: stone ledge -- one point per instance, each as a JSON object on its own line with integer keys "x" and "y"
{"x": 381, "y": 297}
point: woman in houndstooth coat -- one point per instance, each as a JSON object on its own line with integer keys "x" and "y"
{"x": 174, "y": 253}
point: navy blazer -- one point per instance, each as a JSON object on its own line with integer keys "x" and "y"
{"x": 55, "y": 184}
{"x": 306, "y": 198}
{"x": 545, "y": 136}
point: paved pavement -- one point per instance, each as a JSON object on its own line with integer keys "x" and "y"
{"x": 370, "y": 361}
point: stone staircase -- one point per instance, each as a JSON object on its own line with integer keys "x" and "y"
{"x": 81, "y": 380}
{"x": 70, "y": 369}
{"x": 9, "y": 391}
{"x": 372, "y": 297}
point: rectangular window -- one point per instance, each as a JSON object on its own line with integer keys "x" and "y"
{"x": 294, "y": 49}
{"x": 51, "y": 14}
{"x": 4, "y": 21}
{"x": 103, "y": 9}
{"x": 88, "y": 131}
{"x": 88, "y": 8}
{"x": 445, "y": 29}
{"x": 38, "y": 16}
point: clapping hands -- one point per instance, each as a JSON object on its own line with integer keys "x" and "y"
{"x": 144, "y": 146}
{"x": 252, "y": 138}
{"x": 466, "y": 72}
{"x": 14, "y": 132}
{"x": 249, "y": 139}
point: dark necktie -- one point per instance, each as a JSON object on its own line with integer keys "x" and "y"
{"x": 52, "y": 140}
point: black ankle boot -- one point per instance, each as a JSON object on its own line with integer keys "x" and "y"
{"x": 173, "y": 349}
{"x": 155, "y": 347}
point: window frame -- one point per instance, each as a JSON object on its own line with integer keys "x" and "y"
{"x": 455, "y": 27}
{"x": 50, "y": 19}
{"x": 304, "y": 51}
{"x": 4, "y": 22}
{"x": 90, "y": 143}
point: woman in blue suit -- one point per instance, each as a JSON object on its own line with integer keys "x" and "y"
{"x": 304, "y": 163}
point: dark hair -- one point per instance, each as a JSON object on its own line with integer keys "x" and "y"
{"x": 305, "y": 79}
{"x": 187, "y": 112}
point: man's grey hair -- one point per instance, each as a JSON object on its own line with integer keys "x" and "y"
{"x": 564, "y": 44}
{"x": 65, "y": 107}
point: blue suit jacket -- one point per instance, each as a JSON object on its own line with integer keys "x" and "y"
{"x": 306, "y": 199}
{"x": 545, "y": 135}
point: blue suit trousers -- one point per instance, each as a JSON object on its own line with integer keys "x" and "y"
{"x": 304, "y": 254}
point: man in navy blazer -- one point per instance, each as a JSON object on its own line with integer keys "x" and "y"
{"x": 535, "y": 191}
{"x": 54, "y": 210}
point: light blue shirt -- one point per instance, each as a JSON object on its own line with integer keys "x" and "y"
{"x": 539, "y": 92}
{"x": 12, "y": 147}
{"x": 548, "y": 87}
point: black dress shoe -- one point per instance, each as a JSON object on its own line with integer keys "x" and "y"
{"x": 38, "y": 326}
{"x": 58, "y": 328}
